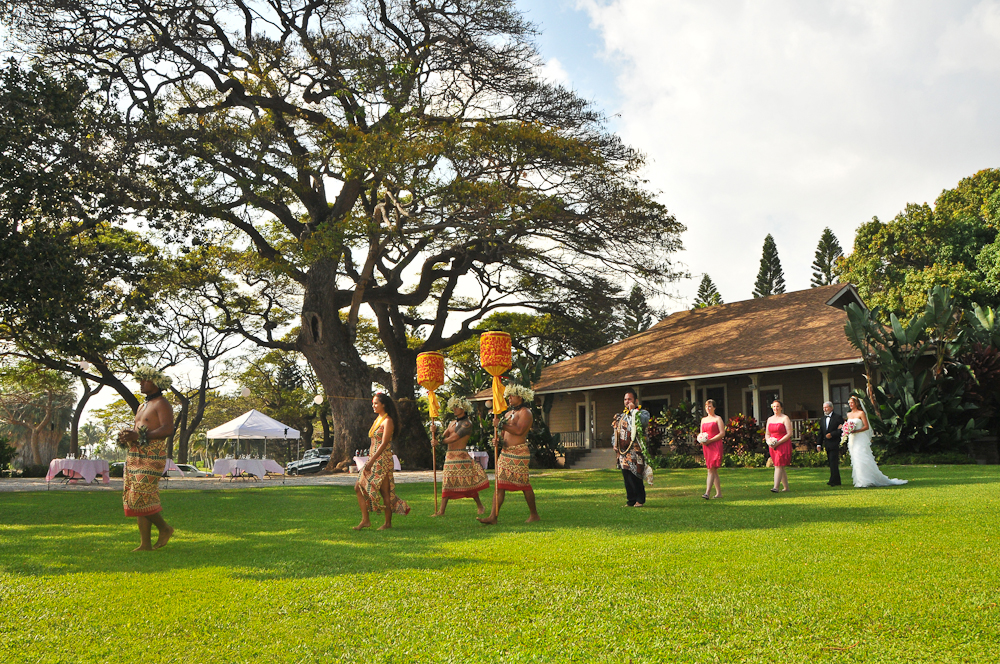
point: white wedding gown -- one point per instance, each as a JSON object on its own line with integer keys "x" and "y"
{"x": 864, "y": 470}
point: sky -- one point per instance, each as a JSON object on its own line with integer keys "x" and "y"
{"x": 783, "y": 116}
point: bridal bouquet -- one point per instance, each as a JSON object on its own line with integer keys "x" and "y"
{"x": 703, "y": 438}
{"x": 771, "y": 441}
{"x": 848, "y": 428}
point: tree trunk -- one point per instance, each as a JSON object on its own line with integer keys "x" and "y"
{"x": 410, "y": 442}
{"x": 74, "y": 432}
{"x": 327, "y": 345}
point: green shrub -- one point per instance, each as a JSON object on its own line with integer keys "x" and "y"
{"x": 809, "y": 459}
{"x": 7, "y": 453}
{"x": 744, "y": 460}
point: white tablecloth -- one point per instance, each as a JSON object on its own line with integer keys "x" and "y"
{"x": 255, "y": 467}
{"x": 272, "y": 466}
{"x": 360, "y": 462}
{"x": 86, "y": 468}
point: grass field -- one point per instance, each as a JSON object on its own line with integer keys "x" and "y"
{"x": 907, "y": 574}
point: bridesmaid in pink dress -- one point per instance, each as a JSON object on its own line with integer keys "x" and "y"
{"x": 780, "y": 427}
{"x": 713, "y": 426}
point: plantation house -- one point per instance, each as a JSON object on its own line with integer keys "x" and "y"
{"x": 743, "y": 355}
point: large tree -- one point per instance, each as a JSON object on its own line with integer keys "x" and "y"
{"x": 73, "y": 282}
{"x": 770, "y": 276}
{"x": 403, "y": 156}
{"x": 36, "y": 405}
{"x": 954, "y": 244}
{"x": 824, "y": 266}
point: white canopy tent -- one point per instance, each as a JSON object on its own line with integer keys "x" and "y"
{"x": 253, "y": 425}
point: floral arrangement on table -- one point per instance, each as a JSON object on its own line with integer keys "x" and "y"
{"x": 849, "y": 427}
{"x": 771, "y": 441}
{"x": 703, "y": 438}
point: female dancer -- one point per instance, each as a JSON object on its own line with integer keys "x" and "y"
{"x": 376, "y": 488}
{"x": 779, "y": 427}
{"x": 713, "y": 426}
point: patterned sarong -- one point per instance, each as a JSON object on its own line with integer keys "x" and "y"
{"x": 374, "y": 473}
{"x": 512, "y": 468}
{"x": 143, "y": 469}
{"x": 463, "y": 476}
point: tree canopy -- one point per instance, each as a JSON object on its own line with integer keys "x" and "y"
{"x": 952, "y": 244}
{"x": 402, "y": 156}
{"x": 708, "y": 295}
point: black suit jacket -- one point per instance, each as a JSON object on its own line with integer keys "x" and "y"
{"x": 836, "y": 421}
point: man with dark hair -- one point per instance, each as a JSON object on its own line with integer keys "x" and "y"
{"x": 629, "y": 428}
{"x": 829, "y": 437}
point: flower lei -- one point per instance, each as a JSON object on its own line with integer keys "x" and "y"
{"x": 638, "y": 432}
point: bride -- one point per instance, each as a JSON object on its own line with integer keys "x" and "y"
{"x": 864, "y": 470}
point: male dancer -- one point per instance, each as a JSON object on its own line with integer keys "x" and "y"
{"x": 147, "y": 457}
{"x": 463, "y": 476}
{"x": 512, "y": 466}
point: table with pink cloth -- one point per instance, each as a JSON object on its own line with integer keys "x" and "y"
{"x": 360, "y": 462}
{"x": 255, "y": 467}
{"x": 86, "y": 469}
{"x": 483, "y": 458}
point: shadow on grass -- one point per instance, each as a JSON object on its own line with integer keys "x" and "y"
{"x": 304, "y": 532}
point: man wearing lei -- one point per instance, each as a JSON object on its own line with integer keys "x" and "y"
{"x": 512, "y": 466}
{"x": 463, "y": 476}
{"x": 629, "y": 427}
{"x": 146, "y": 458}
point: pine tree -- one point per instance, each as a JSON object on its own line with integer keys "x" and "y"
{"x": 770, "y": 277}
{"x": 827, "y": 252}
{"x": 708, "y": 294}
{"x": 637, "y": 315}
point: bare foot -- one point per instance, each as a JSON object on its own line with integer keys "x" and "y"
{"x": 385, "y": 526}
{"x": 438, "y": 514}
{"x": 480, "y": 510}
{"x": 718, "y": 495}
{"x": 785, "y": 489}
{"x": 637, "y": 505}
{"x": 142, "y": 548}
{"x": 164, "y": 537}
{"x": 362, "y": 526}
{"x": 533, "y": 517}
{"x": 491, "y": 520}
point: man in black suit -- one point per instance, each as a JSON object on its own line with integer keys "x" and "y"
{"x": 829, "y": 436}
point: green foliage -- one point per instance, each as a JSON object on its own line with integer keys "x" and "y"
{"x": 7, "y": 453}
{"x": 676, "y": 460}
{"x": 770, "y": 276}
{"x": 708, "y": 295}
{"x": 675, "y": 428}
{"x": 919, "y": 402}
{"x": 954, "y": 245}
{"x": 828, "y": 252}
{"x": 744, "y": 435}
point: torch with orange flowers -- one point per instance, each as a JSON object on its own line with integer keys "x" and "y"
{"x": 430, "y": 376}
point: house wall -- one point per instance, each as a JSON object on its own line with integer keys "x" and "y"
{"x": 801, "y": 389}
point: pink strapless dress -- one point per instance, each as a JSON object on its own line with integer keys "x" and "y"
{"x": 781, "y": 455}
{"x": 713, "y": 451}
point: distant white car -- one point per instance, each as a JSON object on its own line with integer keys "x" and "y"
{"x": 187, "y": 470}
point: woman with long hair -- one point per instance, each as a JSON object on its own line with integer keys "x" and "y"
{"x": 376, "y": 488}
{"x": 714, "y": 429}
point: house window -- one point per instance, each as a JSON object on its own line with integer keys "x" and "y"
{"x": 717, "y": 393}
{"x": 581, "y": 417}
{"x": 839, "y": 394}
{"x": 767, "y": 396}
{"x": 656, "y": 404}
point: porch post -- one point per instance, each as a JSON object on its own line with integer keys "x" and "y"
{"x": 826, "y": 383}
{"x": 693, "y": 386}
{"x": 755, "y": 381}
{"x": 588, "y": 416}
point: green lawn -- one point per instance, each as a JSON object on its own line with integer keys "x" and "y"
{"x": 906, "y": 574}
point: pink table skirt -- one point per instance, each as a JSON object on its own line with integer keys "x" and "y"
{"x": 86, "y": 469}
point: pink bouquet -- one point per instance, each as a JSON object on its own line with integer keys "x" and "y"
{"x": 849, "y": 427}
{"x": 771, "y": 441}
{"x": 702, "y": 437}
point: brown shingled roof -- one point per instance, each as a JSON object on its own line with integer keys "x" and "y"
{"x": 782, "y": 331}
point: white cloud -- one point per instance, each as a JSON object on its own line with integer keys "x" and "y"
{"x": 784, "y": 117}
{"x": 554, "y": 72}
